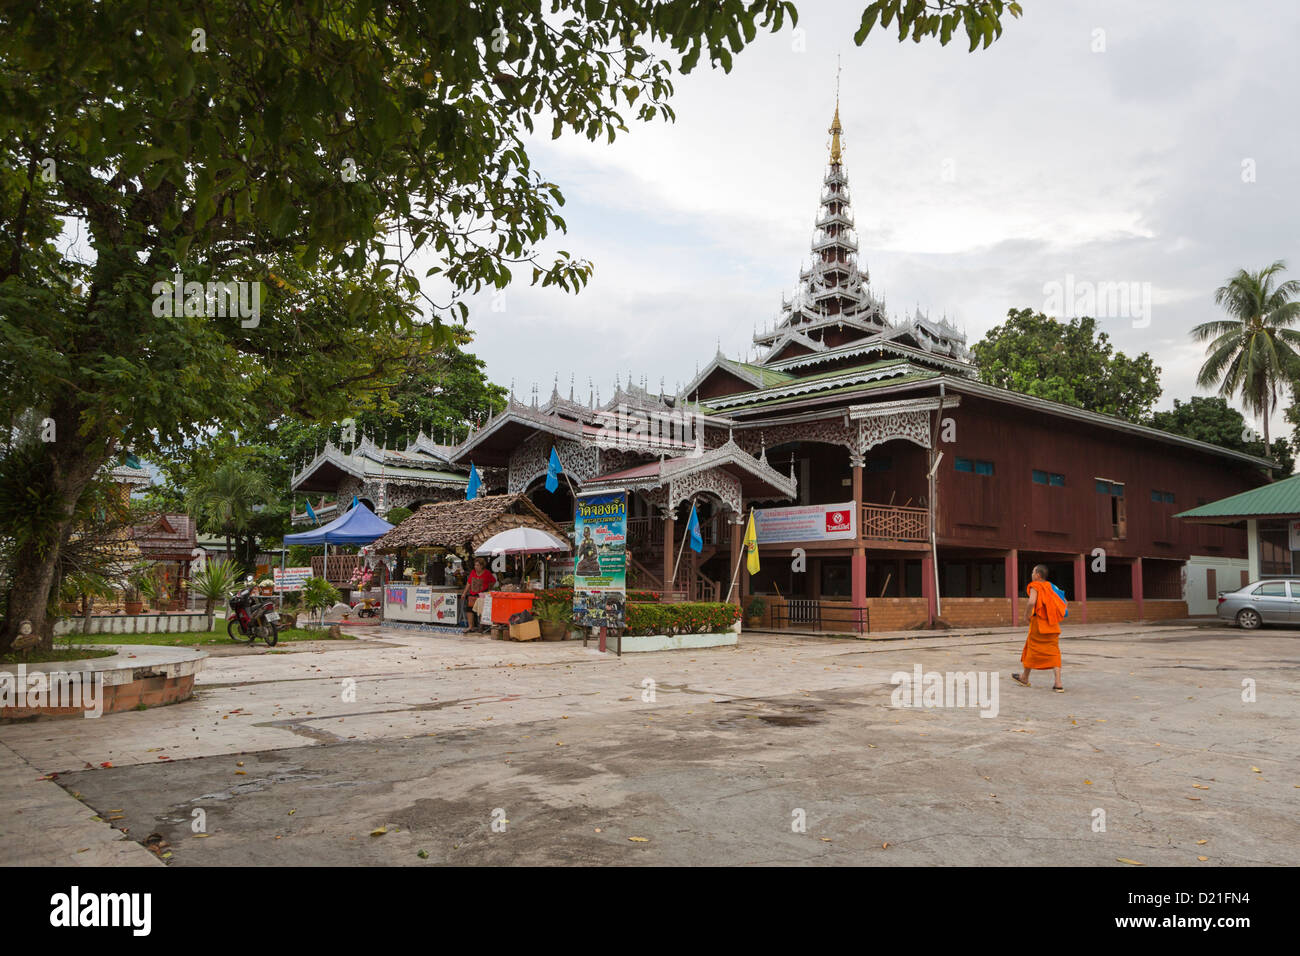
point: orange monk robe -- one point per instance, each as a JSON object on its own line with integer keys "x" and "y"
{"x": 1042, "y": 645}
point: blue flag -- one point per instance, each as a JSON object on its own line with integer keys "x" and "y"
{"x": 311, "y": 513}
{"x": 471, "y": 490}
{"x": 693, "y": 529}
{"x": 354, "y": 501}
{"x": 553, "y": 470}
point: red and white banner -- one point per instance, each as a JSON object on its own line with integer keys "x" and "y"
{"x": 806, "y": 523}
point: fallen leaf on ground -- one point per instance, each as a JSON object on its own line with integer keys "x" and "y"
{"x": 1202, "y": 842}
{"x": 379, "y": 832}
{"x": 1202, "y": 858}
{"x": 1123, "y": 859}
{"x": 1199, "y": 786}
{"x": 639, "y": 839}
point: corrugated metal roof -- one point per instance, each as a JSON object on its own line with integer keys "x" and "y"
{"x": 1279, "y": 498}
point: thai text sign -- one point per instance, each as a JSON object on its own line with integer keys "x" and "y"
{"x": 600, "y": 560}
{"x": 291, "y": 579}
{"x": 806, "y": 523}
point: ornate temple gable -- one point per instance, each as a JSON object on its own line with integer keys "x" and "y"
{"x": 833, "y": 306}
{"x": 722, "y": 471}
{"x": 859, "y": 428}
{"x": 580, "y": 461}
{"x": 387, "y": 478}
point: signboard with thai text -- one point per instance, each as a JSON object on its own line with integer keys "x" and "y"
{"x": 806, "y": 523}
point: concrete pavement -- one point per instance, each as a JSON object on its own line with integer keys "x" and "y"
{"x": 712, "y": 756}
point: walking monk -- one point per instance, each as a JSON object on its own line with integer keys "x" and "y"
{"x": 1042, "y": 646}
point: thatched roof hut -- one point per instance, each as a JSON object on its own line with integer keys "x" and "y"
{"x": 454, "y": 524}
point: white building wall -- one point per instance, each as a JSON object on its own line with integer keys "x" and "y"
{"x": 1227, "y": 574}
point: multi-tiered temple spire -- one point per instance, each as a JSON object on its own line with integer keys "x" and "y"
{"x": 833, "y": 304}
{"x": 833, "y": 297}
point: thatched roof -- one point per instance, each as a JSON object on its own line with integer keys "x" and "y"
{"x": 450, "y": 524}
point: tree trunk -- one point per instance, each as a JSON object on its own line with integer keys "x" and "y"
{"x": 69, "y": 465}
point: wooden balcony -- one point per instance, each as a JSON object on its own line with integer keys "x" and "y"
{"x": 894, "y": 523}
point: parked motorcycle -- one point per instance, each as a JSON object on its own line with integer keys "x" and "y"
{"x": 367, "y": 607}
{"x": 250, "y": 619}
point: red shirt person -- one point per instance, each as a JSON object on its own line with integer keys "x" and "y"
{"x": 479, "y": 580}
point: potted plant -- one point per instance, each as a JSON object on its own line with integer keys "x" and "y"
{"x": 266, "y": 587}
{"x": 555, "y": 617}
{"x": 318, "y": 595}
{"x": 755, "y": 608}
{"x": 214, "y": 582}
{"x": 153, "y": 589}
{"x": 133, "y": 586}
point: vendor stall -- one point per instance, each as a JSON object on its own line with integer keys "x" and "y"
{"x": 467, "y": 528}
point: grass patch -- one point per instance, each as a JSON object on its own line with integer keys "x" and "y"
{"x": 38, "y": 656}
{"x": 202, "y": 638}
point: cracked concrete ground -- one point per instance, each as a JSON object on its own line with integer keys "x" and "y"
{"x": 483, "y": 752}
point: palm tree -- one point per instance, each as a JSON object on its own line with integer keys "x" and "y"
{"x": 223, "y": 498}
{"x": 1254, "y": 350}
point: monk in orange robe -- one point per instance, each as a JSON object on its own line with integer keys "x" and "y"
{"x": 1042, "y": 645}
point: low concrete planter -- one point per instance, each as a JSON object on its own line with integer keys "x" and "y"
{"x": 136, "y": 675}
{"x": 134, "y": 624}
{"x": 635, "y": 643}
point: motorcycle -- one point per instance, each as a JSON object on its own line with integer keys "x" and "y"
{"x": 250, "y": 619}
{"x": 367, "y": 607}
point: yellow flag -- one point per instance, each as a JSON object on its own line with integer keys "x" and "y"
{"x": 751, "y": 545}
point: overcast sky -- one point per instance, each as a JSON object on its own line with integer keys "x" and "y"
{"x": 1096, "y": 142}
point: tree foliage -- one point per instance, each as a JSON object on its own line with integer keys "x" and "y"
{"x": 918, "y": 19}
{"x": 308, "y": 150}
{"x": 1213, "y": 420}
{"x": 1069, "y": 362}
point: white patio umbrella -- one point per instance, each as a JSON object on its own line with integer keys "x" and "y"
{"x": 522, "y": 541}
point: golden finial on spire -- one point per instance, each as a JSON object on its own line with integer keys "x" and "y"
{"x": 836, "y": 129}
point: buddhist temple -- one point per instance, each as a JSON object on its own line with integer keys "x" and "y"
{"x": 895, "y": 489}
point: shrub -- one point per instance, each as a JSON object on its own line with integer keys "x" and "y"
{"x": 755, "y": 607}
{"x": 566, "y": 594}
{"x": 694, "y": 618}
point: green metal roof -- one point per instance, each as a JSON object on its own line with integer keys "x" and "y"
{"x": 1278, "y": 499}
{"x": 837, "y": 390}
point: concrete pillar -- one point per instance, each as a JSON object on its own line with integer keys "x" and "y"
{"x": 1252, "y": 548}
{"x": 670, "y": 554}
{"x": 1081, "y": 586}
{"x": 1011, "y": 573}
{"x": 927, "y": 588}
{"x": 1137, "y": 585}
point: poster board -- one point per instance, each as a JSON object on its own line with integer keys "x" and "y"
{"x": 835, "y": 522}
{"x": 600, "y": 560}
{"x": 292, "y": 579}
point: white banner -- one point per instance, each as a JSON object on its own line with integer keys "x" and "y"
{"x": 1295, "y": 535}
{"x": 806, "y": 523}
{"x": 292, "y": 580}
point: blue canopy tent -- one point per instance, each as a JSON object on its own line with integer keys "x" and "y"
{"x": 359, "y": 525}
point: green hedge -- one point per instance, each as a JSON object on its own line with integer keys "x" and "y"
{"x": 694, "y": 618}
{"x": 566, "y": 594}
